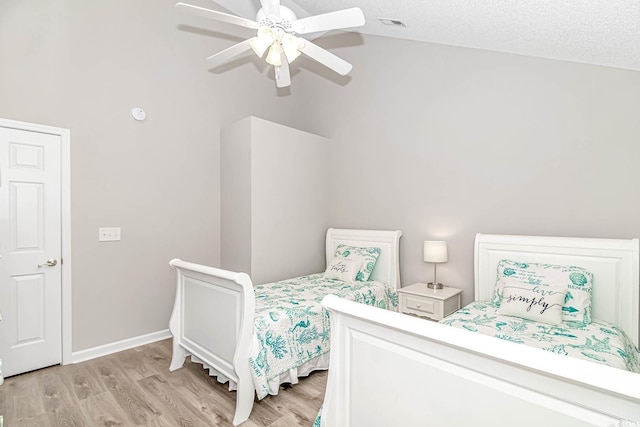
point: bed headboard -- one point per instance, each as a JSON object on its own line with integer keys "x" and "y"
{"x": 613, "y": 262}
{"x": 387, "y": 267}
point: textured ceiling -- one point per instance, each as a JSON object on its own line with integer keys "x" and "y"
{"x": 601, "y": 32}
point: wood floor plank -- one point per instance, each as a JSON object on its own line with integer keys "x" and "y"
{"x": 295, "y": 402}
{"x": 67, "y": 417}
{"x": 83, "y": 381}
{"x": 41, "y": 420}
{"x": 262, "y": 414}
{"x": 135, "y": 388}
{"x": 189, "y": 384}
{"x": 107, "y": 372}
{"x": 173, "y": 405}
{"x": 143, "y": 362}
{"x": 55, "y": 394}
{"x": 161, "y": 422}
{"x": 134, "y": 403}
{"x": 127, "y": 393}
{"x": 220, "y": 413}
{"x": 218, "y": 403}
{"x": 22, "y": 400}
{"x": 102, "y": 410}
{"x": 290, "y": 420}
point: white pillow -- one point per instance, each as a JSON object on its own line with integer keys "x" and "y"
{"x": 343, "y": 269}
{"x": 365, "y": 255}
{"x": 577, "y": 281}
{"x": 539, "y": 302}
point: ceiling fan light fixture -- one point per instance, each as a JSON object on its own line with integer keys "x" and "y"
{"x": 277, "y": 30}
{"x": 290, "y": 46}
{"x": 274, "y": 57}
{"x": 262, "y": 41}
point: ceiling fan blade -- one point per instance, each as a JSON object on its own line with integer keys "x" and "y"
{"x": 325, "y": 57}
{"x": 223, "y": 56}
{"x": 346, "y": 18}
{"x": 283, "y": 76}
{"x": 218, "y": 16}
{"x": 271, "y": 8}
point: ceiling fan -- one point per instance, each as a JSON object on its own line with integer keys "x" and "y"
{"x": 277, "y": 29}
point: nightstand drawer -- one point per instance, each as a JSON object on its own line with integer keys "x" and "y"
{"x": 420, "y": 304}
{"x": 419, "y": 300}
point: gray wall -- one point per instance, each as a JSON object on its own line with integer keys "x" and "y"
{"x": 444, "y": 142}
{"x": 82, "y": 65}
{"x": 274, "y": 210}
{"x": 440, "y": 142}
{"x": 290, "y": 201}
{"x": 235, "y": 196}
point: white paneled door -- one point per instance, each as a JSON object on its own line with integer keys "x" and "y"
{"x": 30, "y": 249}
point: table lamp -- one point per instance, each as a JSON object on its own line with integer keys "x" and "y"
{"x": 435, "y": 251}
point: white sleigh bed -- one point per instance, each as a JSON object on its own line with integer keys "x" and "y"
{"x": 442, "y": 376}
{"x": 213, "y": 315}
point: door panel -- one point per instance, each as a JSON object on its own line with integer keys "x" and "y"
{"x": 30, "y": 234}
{"x": 27, "y": 215}
{"x": 28, "y": 307}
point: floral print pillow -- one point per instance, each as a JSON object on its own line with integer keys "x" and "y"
{"x": 577, "y": 280}
{"x": 367, "y": 256}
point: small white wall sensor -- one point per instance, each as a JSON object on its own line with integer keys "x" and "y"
{"x": 138, "y": 114}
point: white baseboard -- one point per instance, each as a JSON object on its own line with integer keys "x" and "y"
{"x": 114, "y": 347}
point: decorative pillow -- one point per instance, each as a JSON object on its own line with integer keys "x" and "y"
{"x": 538, "y": 302}
{"x": 577, "y": 281}
{"x": 366, "y": 256}
{"x": 343, "y": 269}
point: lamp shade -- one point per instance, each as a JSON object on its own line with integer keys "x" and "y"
{"x": 435, "y": 251}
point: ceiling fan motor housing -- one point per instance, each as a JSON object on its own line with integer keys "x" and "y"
{"x": 287, "y": 17}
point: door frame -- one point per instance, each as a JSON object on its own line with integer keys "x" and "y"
{"x": 65, "y": 211}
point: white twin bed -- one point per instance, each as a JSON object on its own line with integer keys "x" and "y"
{"x": 259, "y": 337}
{"x": 390, "y": 369}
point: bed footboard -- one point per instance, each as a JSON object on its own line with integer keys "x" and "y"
{"x": 391, "y": 369}
{"x": 212, "y": 320}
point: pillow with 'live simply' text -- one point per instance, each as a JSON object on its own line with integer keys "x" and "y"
{"x": 367, "y": 256}
{"x": 577, "y": 281}
{"x": 342, "y": 269}
{"x": 539, "y": 302}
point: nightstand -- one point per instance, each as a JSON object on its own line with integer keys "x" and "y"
{"x": 434, "y": 304}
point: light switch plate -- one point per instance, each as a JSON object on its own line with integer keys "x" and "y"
{"x": 109, "y": 234}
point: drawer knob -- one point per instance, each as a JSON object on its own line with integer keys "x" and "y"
{"x": 418, "y": 305}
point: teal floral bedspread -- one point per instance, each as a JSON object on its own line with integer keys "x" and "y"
{"x": 291, "y": 327}
{"x": 598, "y": 341}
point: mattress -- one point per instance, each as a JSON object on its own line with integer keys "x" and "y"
{"x": 291, "y": 327}
{"x": 599, "y": 341}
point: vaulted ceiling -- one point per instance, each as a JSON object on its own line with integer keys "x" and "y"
{"x": 601, "y": 32}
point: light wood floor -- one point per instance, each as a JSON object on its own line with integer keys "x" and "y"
{"x": 135, "y": 387}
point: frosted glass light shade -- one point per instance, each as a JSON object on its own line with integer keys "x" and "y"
{"x": 435, "y": 251}
{"x": 274, "y": 57}
{"x": 290, "y": 47}
{"x": 262, "y": 41}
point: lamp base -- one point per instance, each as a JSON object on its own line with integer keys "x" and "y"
{"x": 432, "y": 285}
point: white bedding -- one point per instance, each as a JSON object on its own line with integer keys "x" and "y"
{"x": 292, "y": 329}
{"x": 599, "y": 341}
